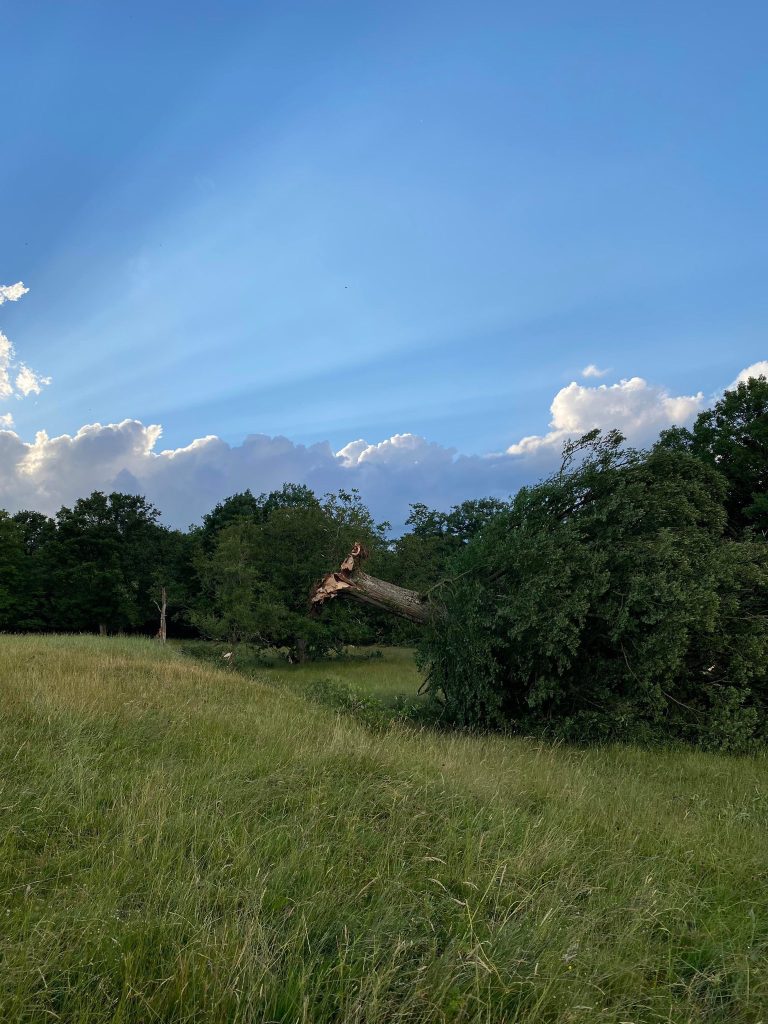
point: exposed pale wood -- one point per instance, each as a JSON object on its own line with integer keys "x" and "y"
{"x": 350, "y": 579}
{"x": 161, "y": 632}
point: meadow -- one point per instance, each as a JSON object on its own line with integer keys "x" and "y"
{"x": 183, "y": 842}
{"x": 382, "y": 673}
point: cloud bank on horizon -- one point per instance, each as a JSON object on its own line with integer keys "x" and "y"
{"x": 186, "y": 482}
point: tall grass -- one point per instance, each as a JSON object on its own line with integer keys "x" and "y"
{"x": 384, "y": 673}
{"x": 180, "y": 843}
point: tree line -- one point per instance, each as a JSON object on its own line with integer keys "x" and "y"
{"x": 625, "y": 596}
{"x": 243, "y": 575}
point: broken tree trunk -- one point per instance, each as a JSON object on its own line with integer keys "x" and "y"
{"x": 349, "y": 579}
{"x": 162, "y": 632}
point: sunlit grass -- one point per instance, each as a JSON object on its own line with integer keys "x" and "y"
{"x": 384, "y": 673}
{"x": 180, "y": 843}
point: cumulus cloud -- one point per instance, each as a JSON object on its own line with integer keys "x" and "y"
{"x": 12, "y": 292}
{"x": 186, "y": 482}
{"x": 6, "y": 421}
{"x": 593, "y": 371}
{"x": 400, "y": 450}
{"x": 759, "y": 369}
{"x": 638, "y": 409}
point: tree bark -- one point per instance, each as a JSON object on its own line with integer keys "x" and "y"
{"x": 349, "y": 579}
{"x": 162, "y": 631}
{"x": 301, "y": 650}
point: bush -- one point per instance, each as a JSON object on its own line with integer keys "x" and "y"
{"x": 607, "y": 603}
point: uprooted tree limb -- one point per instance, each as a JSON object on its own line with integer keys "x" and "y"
{"x": 349, "y": 579}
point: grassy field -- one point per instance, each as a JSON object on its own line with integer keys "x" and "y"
{"x": 182, "y": 843}
{"x": 379, "y": 672}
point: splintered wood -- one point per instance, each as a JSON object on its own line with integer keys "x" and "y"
{"x": 330, "y": 585}
{"x": 388, "y": 597}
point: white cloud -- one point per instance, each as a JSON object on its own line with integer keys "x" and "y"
{"x": 401, "y": 449}
{"x": 638, "y": 409}
{"x": 6, "y": 356}
{"x": 186, "y": 482}
{"x": 12, "y": 292}
{"x": 593, "y": 371}
{"x": 759, "y": 369}
{"x": 28, "y": 382}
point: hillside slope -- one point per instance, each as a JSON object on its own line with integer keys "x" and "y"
{"x": 183, "y": 844}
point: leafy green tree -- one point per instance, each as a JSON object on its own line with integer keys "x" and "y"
{"x": 173, "y": 572}
{"x": 256, "y": 581}
{"x": 103, "y": 563}
{"x": 38, "y": 534}
{"x": 733, "y": 437}
{"x": 236, "y": 508}
{"x": 11, "y": 571}
{"x": 423, "y": 554}
{"x": 607, "y": 603}
{"x": 233, "y": 593}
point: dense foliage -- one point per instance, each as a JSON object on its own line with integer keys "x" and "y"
{"x": 244, "y": 575}
{"x": 258, "y": 558}
{"x": 96, "y": 566}
{"x": 608, "y": 602}
{"x": 733, "y": 437}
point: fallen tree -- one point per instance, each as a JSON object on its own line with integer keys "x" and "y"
{"x": 605, "y": 603}
{"x": 349, "y": 579}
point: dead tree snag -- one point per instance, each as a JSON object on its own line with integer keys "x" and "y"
{"x": 161, "y": 632}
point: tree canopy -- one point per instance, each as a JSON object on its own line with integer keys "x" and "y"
{"x": 733, "y": 437}
{"x": 609, "y": 602}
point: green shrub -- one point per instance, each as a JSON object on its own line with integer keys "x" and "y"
{"x": 607, "y": 603}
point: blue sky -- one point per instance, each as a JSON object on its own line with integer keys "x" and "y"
{"x": 333, "y": 221}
